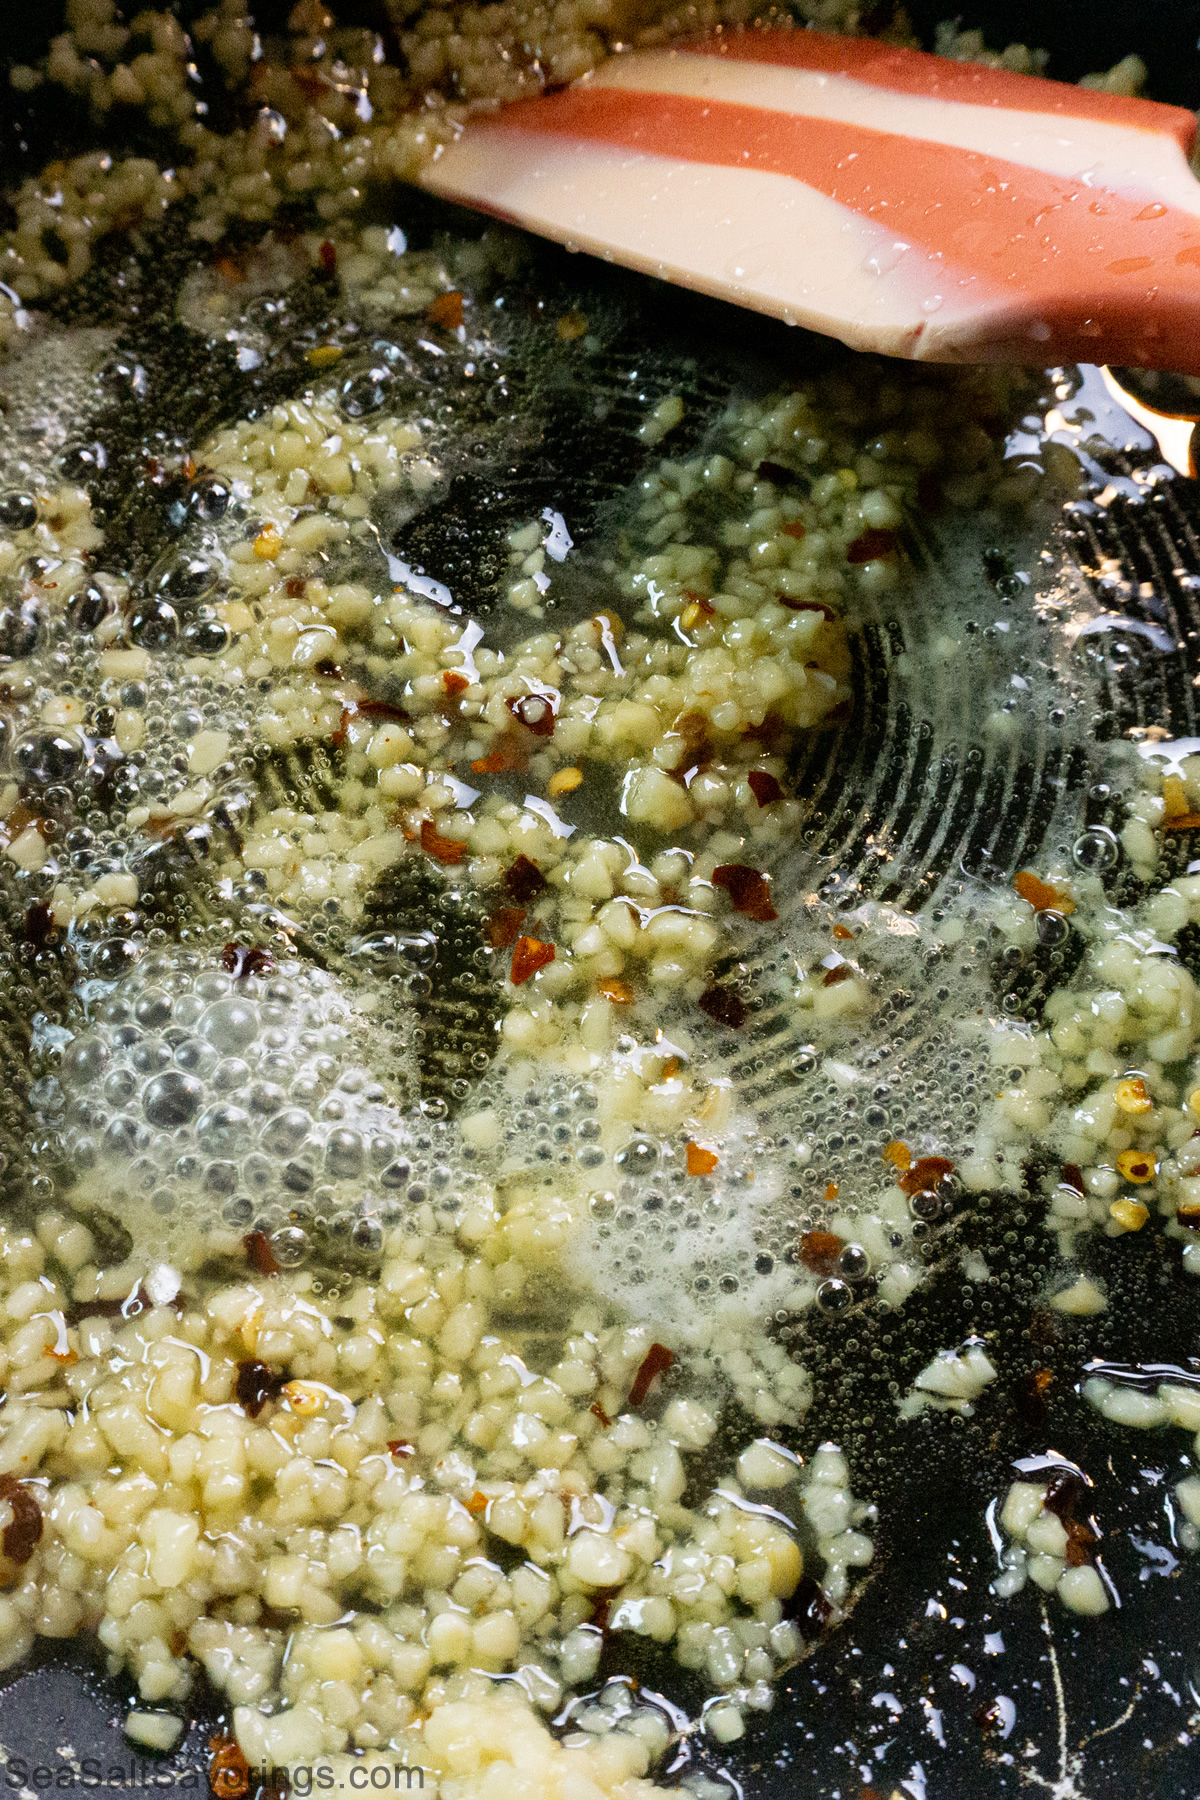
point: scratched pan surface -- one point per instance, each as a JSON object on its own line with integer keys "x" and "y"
{"x": 915, "y": 797}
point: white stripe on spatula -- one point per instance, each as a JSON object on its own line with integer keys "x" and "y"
{"x": 889, "y": 198}
{"x": 653, "y": 213}
{"x": 1096, "y": 151}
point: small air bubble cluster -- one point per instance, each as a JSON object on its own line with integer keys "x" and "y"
{"x": 214, "y": 1106}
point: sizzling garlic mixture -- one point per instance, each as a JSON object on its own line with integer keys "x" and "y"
{"x": 402, "y": 1517}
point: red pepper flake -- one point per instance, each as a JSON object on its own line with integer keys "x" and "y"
{"x": 400, "y": 1448}
{"x": 1041, "y": 895}
{"x": 794, "y": 529}
{"x": 600, "y": 1413}
{"x": 898, "y": 1154}
{"x": 327, "y": 257}
{"x": 295, "y": 587}
{"x": 382, "y": 709}
{"x": 764, "y": 787}
{"x": 748, "y": 890}
{"x": 478, "y": 1502}
{"x": 240, "y": 960}
{"x": 455, "y": 682}
{"x": 819, "y": 1251}
{"x": 504, "y": 926}
{"x": 259, "y": 1253}
{"x": 779, "y": 474}
{"x": 842, "y": 933}
{"x": 871, "y": 544}
{"x": 1188, "y": 1216}
{"x": 805, "y": 606}
{"x": 1072, "y": 1177}
{"x": 496, "y": 762}
{"x": 255, "y": 1384}
{"x": 446, "y": 310}
{"x": 925, "y": 1174}
{"x": 657, "y": 1360}
{"x": 39, "y": 924}
{"x": 23, "y": 1533}
{"x": 536, "y": 712}
{"x": 723, "y": 1005}
{"x": 840, "y": 972}
{"x": 529, "y": 955}
{"x": 338, "y": 737}
{"x": 524, "y": 880}
{"x": 442, "y": 849}
{"x": 228, "y": 1771}
{"x": 701, "y": 1161}
{"x": 619, "y": 992}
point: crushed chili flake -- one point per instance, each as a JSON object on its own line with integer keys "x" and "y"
{"x": 259, "y": 1253}
{"x": 805, "y": 606}
{"x": 1189, "y": 821}
{"x": 1041, "y": 895}
{"x": 1072, "y": 1176}
{"x": 842, "y": 933}
{"x": 701, "y": 1161}
{"x": 338, "y": 738}
{"x": 536, "y": 712}
{"x": 23, "y": 1533}
{"x": 504, "y": 926}
{"x": 670, "y": 1069}
{"x": 446, "y": 310}
{"x": 600, "y": 1413}
{"x": 255, "y": 1384}
{"x": 478, "y": 1502}
{"x": 898, "y": 1153}
{"x": 723, "y": 1005}
{"x": 779, "y": 474}
{"x": 840, "y": 972}
{"x": 400, "y": 1448}
{"x": 241, "y": 960}
{"x": 498, "y": 762}
{"x": 455, "y": 682}
{"x": 228, "y": 1771}
{"x": 764, "y": 787}
{"x": 39, "y": 924}
{"x": 442, "y": 849}
{"x": 924, "y": 1174}
{"x": 794, "y": 529}
{"x": 619, "y": 992}
{"x": 327, "y": 257}
{"x": 1175, "y": 801}
{"x": 529, "y": 955}
{"x": 383, "y": 709}
{"x": 657, "y": 1360}
{"x": 819, "y": 1251}
{"x": 295, "y": 587}
{"x": 1188, "y": 1216}
{"x": 571, "y": 326}
{"x": 831, "y": 1190}
{"x": 524, "y": 880}
{"x": 749, "y": 891}
{"x": 871, "y": 544}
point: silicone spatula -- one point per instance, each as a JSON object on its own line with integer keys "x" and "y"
{"x": 896, "y": 200}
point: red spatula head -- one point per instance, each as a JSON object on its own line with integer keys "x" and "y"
{"x": 895, "y": 200}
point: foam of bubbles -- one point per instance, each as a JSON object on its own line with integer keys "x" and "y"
{"x": 200, "y": 1107}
